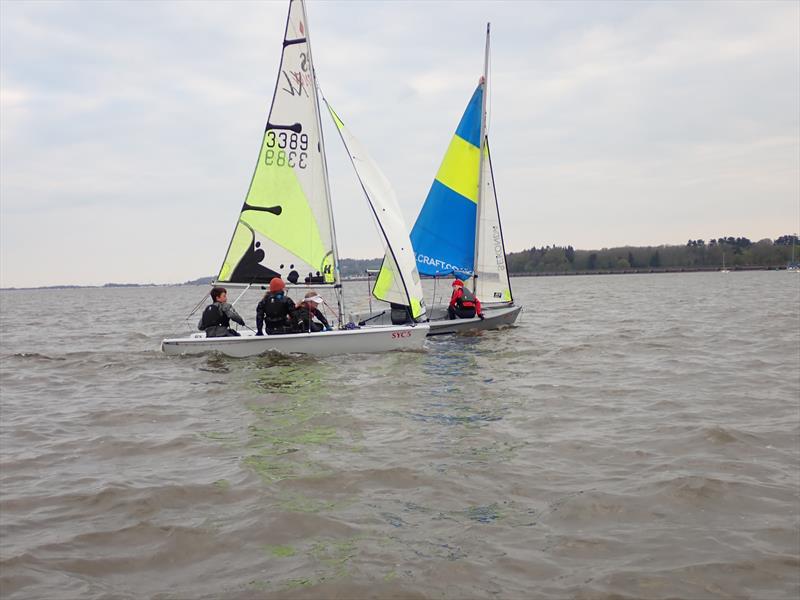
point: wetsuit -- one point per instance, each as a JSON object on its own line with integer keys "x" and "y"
{"x": 216, "y": 320}
{"x": 273, "y": 312}
{"x": 464, "y": 304}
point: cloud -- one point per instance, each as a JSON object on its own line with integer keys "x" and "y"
{"x": 129, "y": 130}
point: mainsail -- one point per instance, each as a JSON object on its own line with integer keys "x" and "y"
{"x": 285, "y": 227}
{"x": 444, "y": 233}
{"x": 491, "y": 283}
{"x": 458, "y": 229}
{"x": 399, "y": 281}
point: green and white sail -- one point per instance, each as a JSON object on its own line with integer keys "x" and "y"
{"x": 285, "y": 227}
{"x": 399, "y": 281}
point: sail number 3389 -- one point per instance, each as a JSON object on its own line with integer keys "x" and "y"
{"x": 286, "y": 149}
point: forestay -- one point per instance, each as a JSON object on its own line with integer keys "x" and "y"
{"x": 399, "y": 280}
{"x": 285, "y": 227}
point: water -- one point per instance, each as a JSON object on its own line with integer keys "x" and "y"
{"x": 633, "y": 437}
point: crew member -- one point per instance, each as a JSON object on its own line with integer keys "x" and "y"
{"x": 216, "y": 318}
{"x": 274, "y": 310}
{"x": 308, "y": 310}
{"x": 463, "y": 303}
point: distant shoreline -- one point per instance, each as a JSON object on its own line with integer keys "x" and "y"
{"x": 643, "y": 270}
{"x": 637, "y": 271}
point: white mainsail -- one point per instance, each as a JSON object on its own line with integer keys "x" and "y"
{"x": 492, "y": 284}
{"x": 285, "y": 227}
{"x": 399, "y": 281}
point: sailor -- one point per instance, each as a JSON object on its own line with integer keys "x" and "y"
{"x": 216, "y": 318}
{"x": 305, "y": 313}
{"x": 274, "y": 310}
{"x": 463, "y": 303}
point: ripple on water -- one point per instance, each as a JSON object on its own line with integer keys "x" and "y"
{"x": 633, "y": 437}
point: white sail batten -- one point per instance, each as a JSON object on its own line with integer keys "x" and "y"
{"x": 285, "y": 228}
{"x": 399, "y": 280}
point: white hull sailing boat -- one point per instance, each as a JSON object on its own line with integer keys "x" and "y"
{"x": 458, "y": 231}
{"x": 286, "y": 228}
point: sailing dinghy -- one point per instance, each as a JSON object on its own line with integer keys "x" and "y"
{"x": 458, "y": 231}
{"x": 285, "y": 227}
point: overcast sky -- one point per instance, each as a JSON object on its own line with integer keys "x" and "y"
{"x": 129, "y": 130}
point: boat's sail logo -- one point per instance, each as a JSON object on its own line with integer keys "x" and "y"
{"x": 441, "y": 265}
{"x": 250, "y": 267}
{"x": 499, "y": 255}
{"x": 299, "y": 82}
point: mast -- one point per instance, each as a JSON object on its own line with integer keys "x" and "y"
{"x": 338, "y": 285}
{"x": 478, "y": 210}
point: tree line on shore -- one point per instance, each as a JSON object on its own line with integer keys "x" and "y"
{"x": 695, "y": 254}
{"x": 738, "y": 252}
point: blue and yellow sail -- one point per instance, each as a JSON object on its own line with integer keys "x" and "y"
{"x": 444, "y": 233}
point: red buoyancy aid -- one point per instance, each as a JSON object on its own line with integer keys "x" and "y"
{"x": 466, "y": 299}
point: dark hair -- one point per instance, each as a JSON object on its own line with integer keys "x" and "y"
{"x": 216, "y": 292}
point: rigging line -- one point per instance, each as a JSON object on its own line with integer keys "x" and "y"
{"x": 372, "y": 207}
{"x": 198, "y": 305}
{"x": 242, "y": 294}
{"x": 337, "y": 275}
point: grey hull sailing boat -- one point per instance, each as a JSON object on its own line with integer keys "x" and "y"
{"x": 285, "y": 227}
{"x": 458, "y": 233}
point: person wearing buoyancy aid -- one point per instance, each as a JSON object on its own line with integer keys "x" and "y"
{"x": 274, "y": 310}
{"x": 216, "y": 318}
{"x": 463, "y": 303}
{"x": 308, "y": 310}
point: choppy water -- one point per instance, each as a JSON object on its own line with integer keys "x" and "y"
{"x": 633, "y": 437}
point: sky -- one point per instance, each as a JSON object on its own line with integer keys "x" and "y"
{"x": 129, "y": 130}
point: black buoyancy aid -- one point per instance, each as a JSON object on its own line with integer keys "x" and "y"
{"x": 467, "y": 299}
{"x": 275, "y": 309}
{"x": 214, "y": 317}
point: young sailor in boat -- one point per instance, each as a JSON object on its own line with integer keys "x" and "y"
{"x": 463, "y": 303}
{"x": 305, "y": 313}
{"x": 216, "y": 318}
{"x": 274, "y": 311}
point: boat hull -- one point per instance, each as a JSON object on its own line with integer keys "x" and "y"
{"x": 495, "y": 317}
{"x": 323, "y": 343}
